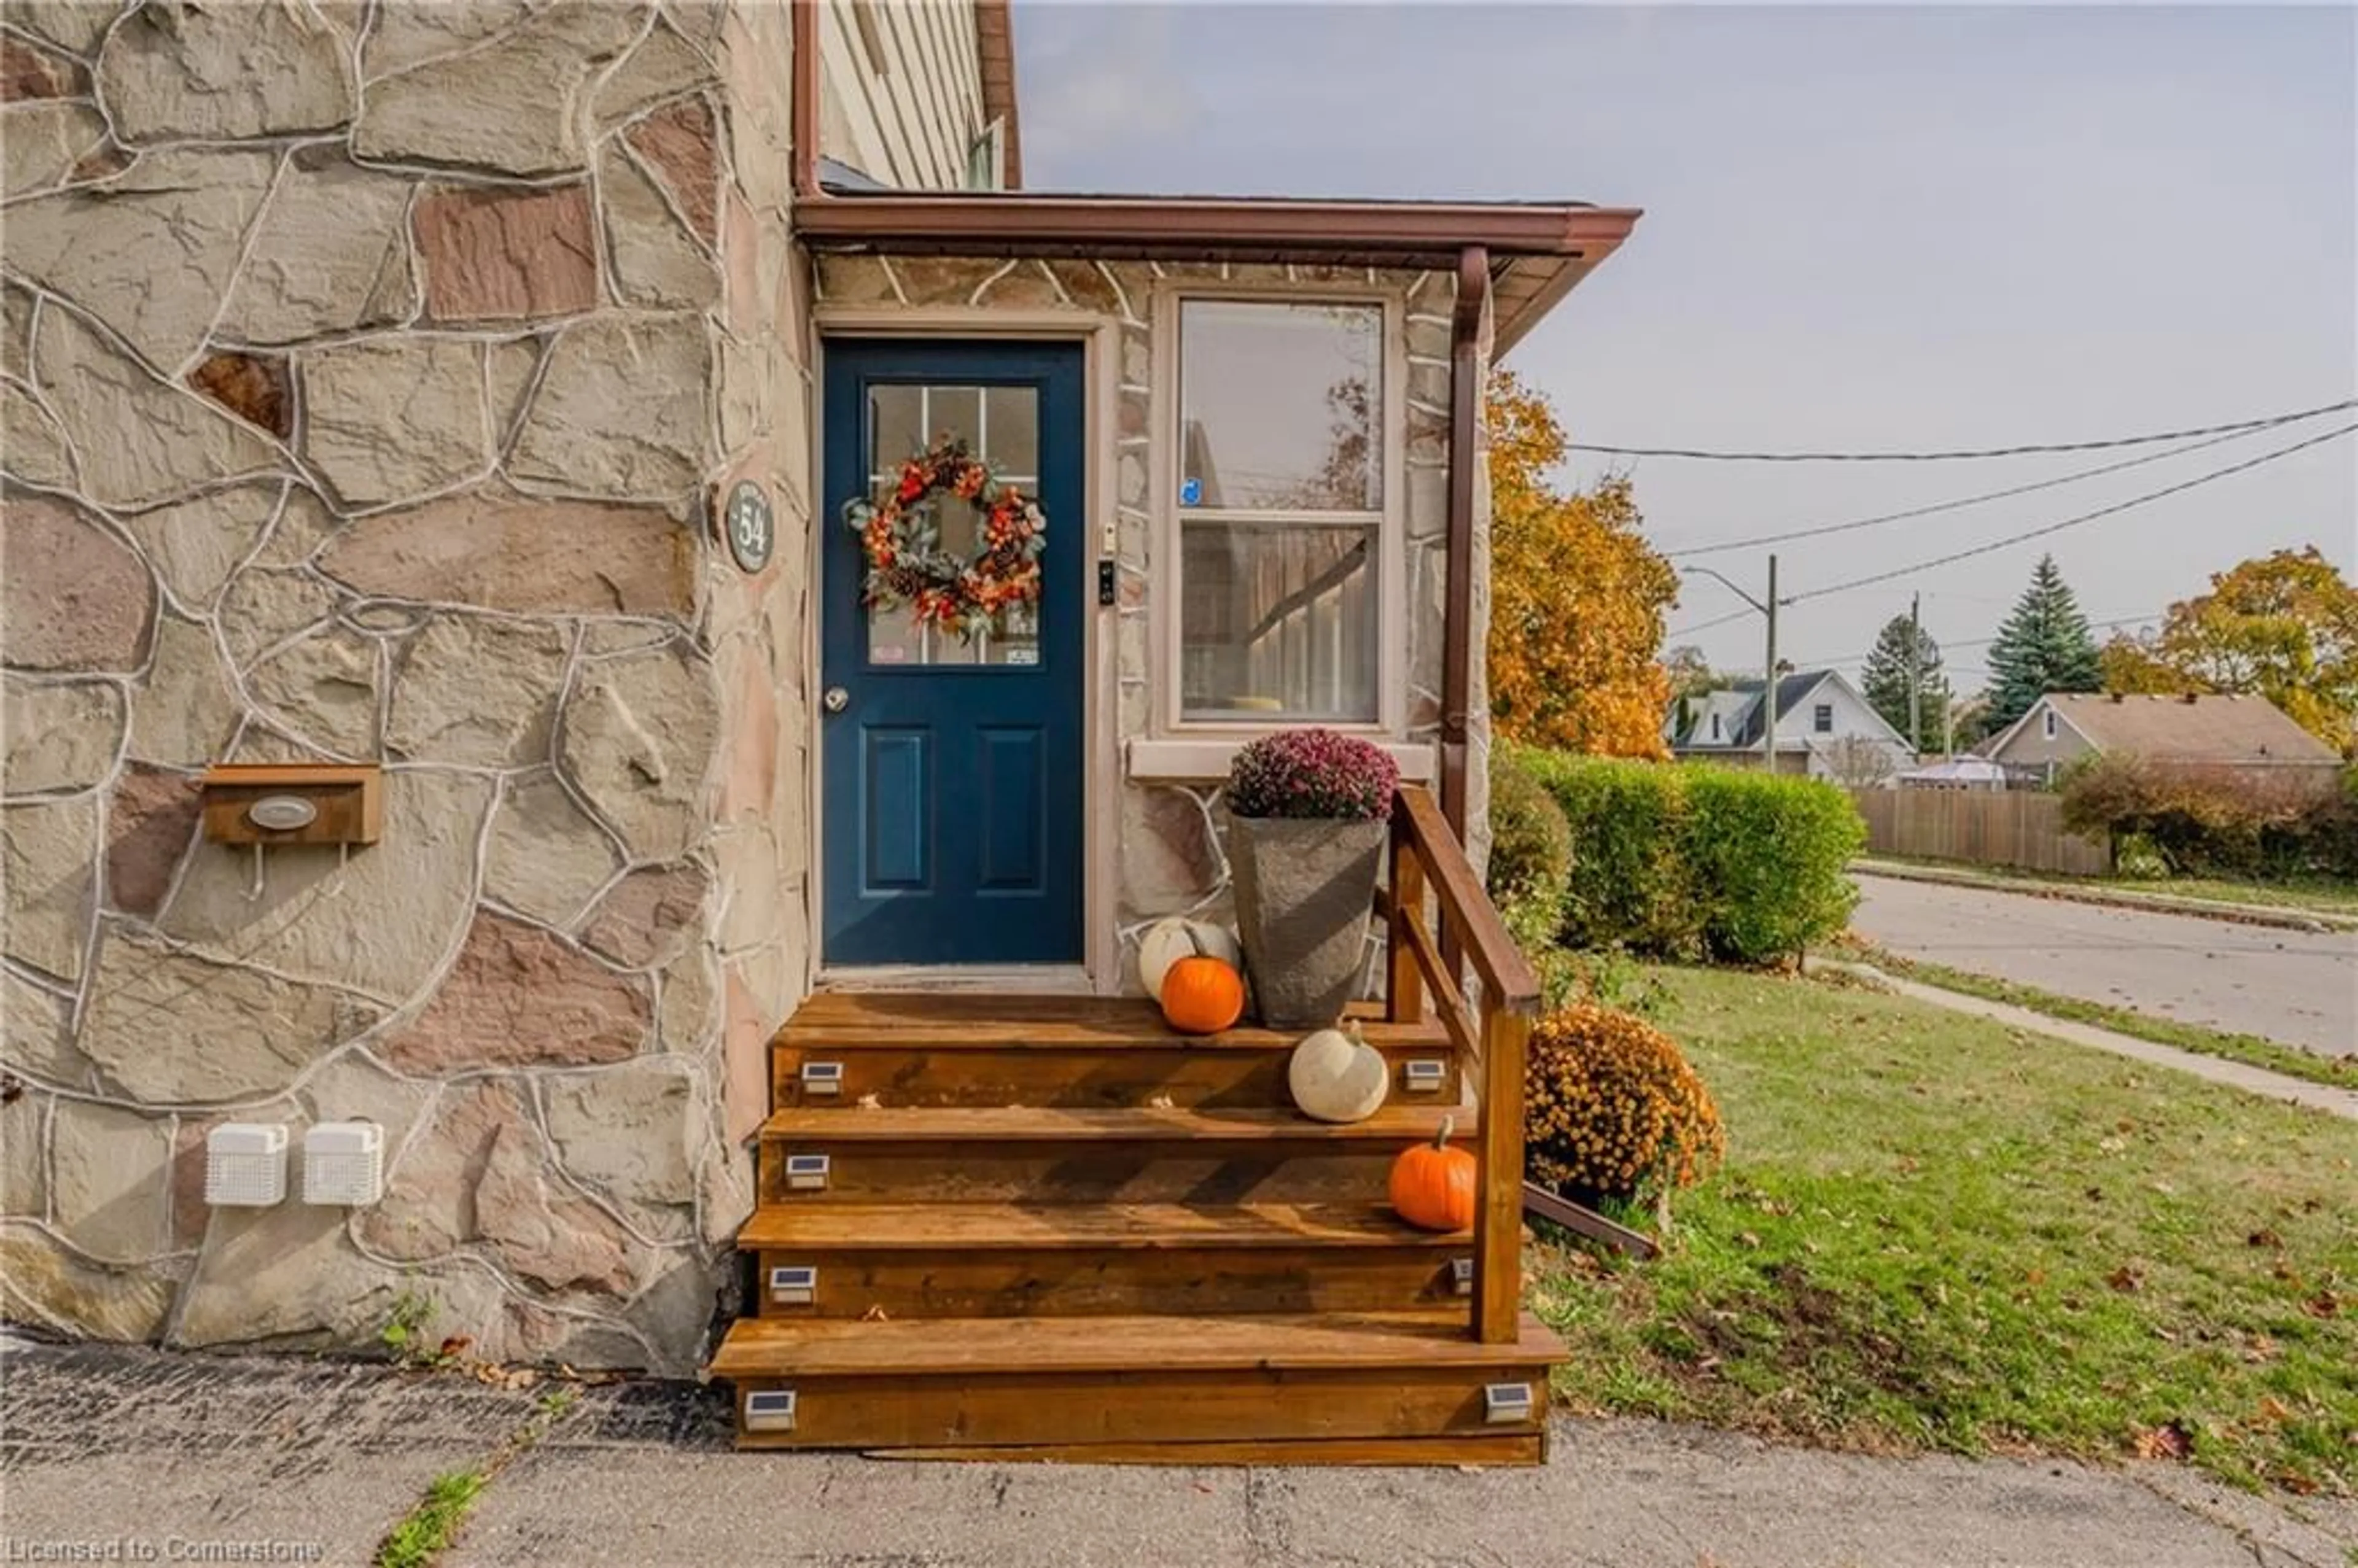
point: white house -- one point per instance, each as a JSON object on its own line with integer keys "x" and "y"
{"x": 1825, "y": 728}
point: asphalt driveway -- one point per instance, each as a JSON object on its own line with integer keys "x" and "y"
{"x": 2297, "y": 988}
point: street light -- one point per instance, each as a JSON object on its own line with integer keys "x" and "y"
{"x": 1769, "y": 685}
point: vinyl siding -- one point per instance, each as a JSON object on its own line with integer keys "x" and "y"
{"x": 912, "y": 123}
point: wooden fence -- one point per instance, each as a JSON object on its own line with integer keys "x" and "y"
{"x": 1987, "y": 828}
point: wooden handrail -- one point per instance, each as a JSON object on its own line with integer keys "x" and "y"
{"x": 1467, "y": 911}
{"x": 1427, "y": 858}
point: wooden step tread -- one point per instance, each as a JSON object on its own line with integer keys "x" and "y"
{"x": 1090, "y": 1124}
{"x": 1144, "y": 1227}
{"x": 782, "y": 1347}
{"x": 946, "y": 1022}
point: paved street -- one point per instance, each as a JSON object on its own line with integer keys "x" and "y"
{"x": 2297, "y": 987}
{"x": 313, "y": 1461}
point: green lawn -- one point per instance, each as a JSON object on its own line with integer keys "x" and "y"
{"x": 1934, "y": 1232}
{"x": 2341, "y": 1072}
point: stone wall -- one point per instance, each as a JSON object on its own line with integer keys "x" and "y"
{"x": 1170, "y": 836}
{"x": 366, "y": 368}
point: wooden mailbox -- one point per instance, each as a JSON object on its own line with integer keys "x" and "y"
{"x": 241, "y": 800}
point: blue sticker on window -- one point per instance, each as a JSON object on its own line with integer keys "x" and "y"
{"x": 1191, "y": 492}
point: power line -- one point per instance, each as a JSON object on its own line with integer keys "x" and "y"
{"x": 2041, "y": 532}
{"x": 2026, "y": 450}
{"x": 1707, "y": 625}
{"x": 1963, "y": 502}
{"x": 1946, "y": 647}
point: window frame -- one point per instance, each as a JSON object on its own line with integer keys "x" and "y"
{"x": 2048, "y": 727}
{"x": 1166, "y": 517}
{"x": 1822, "y": 719}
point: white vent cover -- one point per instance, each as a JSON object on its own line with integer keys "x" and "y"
{"x": 343, "y": 1164}
{"x": 245, "y": 1164}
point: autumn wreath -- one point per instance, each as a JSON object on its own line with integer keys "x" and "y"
{"x": 902, "y": 537}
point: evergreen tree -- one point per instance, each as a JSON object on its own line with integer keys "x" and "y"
{"x": 2044, "y": 645}
{"x": 1886, "y": 681}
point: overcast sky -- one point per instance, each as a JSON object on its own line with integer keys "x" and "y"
{"x": 1867, "y": 229}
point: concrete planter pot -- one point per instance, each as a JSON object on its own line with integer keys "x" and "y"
{"x": 1304, "y": 887}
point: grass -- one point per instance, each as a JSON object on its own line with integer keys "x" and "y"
{"x": 1933, "y": 1232}
{"x": 2312, "y": 895}
{"x": 2340, "y": 1072}
{"x": 430, "y": 1527}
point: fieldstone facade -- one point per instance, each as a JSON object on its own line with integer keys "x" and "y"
{"x": 1170, "y": 837}
{"x": 367, "y": 372}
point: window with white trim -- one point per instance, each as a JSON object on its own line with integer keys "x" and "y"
{"x": 1282, "y": 510}
{"x": 2048, "y": 723}
{"x": 1822, "y": 719}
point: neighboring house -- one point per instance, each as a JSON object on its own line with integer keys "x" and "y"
{"x": 2245, "y": 734}
{"x": 1825, "y": 728}
{"x": 490, "y": 433}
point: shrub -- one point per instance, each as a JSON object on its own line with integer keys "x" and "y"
{"x": 2221, "y": 820}
{"x": 1531, "y": 842}
{"x": 1696, "y": 862}
{"x": 1313, "y": 773}
{"x": 1611, "y": 1108}
{"x": 1629, "y": 884}
{"x": 1767, "y": 857}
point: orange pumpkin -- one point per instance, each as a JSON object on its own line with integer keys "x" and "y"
{"x": 1433, "y": 1185}
{"x": 1202, "y": 995}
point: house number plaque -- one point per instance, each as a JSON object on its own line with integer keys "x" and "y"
{"x": 747, "y": 521}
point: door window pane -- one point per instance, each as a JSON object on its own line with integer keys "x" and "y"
{"x": 1002, "y": 425}
{"x": 1278, "y": 622}
{"x": 1279, "y": 406}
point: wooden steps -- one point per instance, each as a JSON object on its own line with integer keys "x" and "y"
{"x": 1049, "y": 1228}
{"x": 1058, "y": 1051}
{"x": 1063, "y": 1155}
{"x": 1014, "y": 1259}
{"x": 1070, "y": 1382}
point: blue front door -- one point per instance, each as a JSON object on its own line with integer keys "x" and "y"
{"x": 952, "y": 768}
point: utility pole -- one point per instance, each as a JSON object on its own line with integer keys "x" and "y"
{"x": 1915, "y": 678}
{"x": 1769, "y": 692}
{"x": 1769, "y": 612}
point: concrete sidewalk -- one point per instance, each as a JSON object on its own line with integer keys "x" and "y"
{"x": 175, "y": 1454}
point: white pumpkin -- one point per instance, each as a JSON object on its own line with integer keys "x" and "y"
{"x": 1337, "y": 1077}
{"x": 1168, "y": 941}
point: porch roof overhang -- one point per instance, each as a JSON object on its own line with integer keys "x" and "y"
{"x": 1537, "y": 251}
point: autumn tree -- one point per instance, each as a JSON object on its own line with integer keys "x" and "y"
{"x": 2043, "y": 645}
{"x": 1576, "y": 594}
{"x": 2283, "y": 626}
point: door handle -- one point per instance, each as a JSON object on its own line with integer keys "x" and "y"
{"x": 836, "y": 699}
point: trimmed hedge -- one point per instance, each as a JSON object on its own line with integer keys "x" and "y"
{"x": 1690, "y": 860}
{"x": 1531, "y": 842}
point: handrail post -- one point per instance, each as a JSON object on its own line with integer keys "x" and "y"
{"x": 1499, "y": 1216}
{"x": 1403, "y": 986}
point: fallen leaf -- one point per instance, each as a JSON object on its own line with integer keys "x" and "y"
{"x": 2034, "y": 1276}
{"x": 875, "y": 1315}
{"x": 2126, "y": 1279}
{"x": 1159, "y": 1102}
{"x": 2275, "y": 1411}
{"x": 869, "y": 1101}
{"x": 456, "y": 1346}
{"x": 2265, "y": 1237}
{"x": 1746, "y": 1238}
{"x": 2167, "y": 1441}
{"x": 2324, "y": 1304}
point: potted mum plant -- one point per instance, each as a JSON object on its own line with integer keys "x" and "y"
{"x": 1308, "y": 818}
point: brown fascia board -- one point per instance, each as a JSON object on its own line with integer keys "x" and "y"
{"x": 1429, "y": 233}
{"x": 994, "y": 38}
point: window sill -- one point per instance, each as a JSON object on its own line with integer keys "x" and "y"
{"x": 1206, "y": 760}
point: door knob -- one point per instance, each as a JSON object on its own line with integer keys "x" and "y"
{"x": 836, "y": 699}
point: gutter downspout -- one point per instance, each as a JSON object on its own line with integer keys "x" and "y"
{"x": 803, "y": 85}
{"x": 1458, "y": 612}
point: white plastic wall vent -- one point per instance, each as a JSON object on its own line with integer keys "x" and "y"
{"x": 343, "y": 1164}
{"x": 245, "y": 1164}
